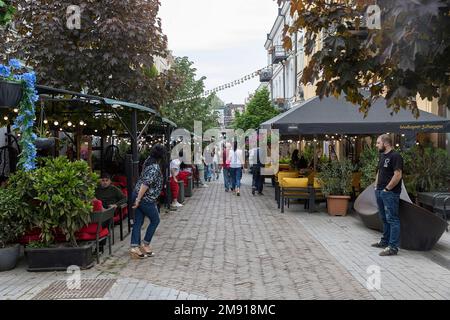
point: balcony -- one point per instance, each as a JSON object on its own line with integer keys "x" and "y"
{"x": 278, "y": 54}
{"x": 265, "y": 75}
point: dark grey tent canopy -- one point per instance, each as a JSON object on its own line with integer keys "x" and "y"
{"x": 330, "y": 115}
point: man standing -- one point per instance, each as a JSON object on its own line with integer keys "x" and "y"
{"x": 388, "y": 188}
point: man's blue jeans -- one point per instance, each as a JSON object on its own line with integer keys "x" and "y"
{"x": 227, "y": 178}
{"x": 388, "y": 204}
{"x": 145, "y": 209}
{"x": 236, "y": 176}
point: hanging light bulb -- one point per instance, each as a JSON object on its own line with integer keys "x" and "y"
{"x": 45, "y": 121}
{"x": 5, "y": 118}
{"x": 69, "y": 124}
{"x": 95, "y": 130}
{"x": 56, "y": 123}
{"x": 81, "y": 123}
{"x": 16, "y": 110}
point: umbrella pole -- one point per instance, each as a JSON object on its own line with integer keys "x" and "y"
{"x": 315, "y": 155}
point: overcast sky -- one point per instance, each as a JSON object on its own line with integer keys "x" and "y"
{"x": 224, "y": 38}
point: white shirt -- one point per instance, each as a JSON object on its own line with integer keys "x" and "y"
{"x": 175, "y": 165}
{"x": 236, "y": 158}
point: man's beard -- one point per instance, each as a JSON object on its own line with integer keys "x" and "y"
{"x": 382, "y": 150}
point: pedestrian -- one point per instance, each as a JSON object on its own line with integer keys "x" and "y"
{"x": 175, "y": 165}
{"x": 255, "y": 169}
{"x": 215, "y": 164}
{"x": 388, "y": 188}
{"x": 146, "y": 192}
{"x": 237, "y": 160}
{"x": 226, "y": 166}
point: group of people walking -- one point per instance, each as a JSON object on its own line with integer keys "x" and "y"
{"x": 150, "y": 184}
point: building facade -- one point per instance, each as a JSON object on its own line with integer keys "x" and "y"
{"x": 229, "y": 113}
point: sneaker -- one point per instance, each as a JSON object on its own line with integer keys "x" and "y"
{"x": 253, "y": 191}
{"x": 260, "y": 193}
{"x": 379, "y": 245}
{"x": 172, "y": 208}
{"x": 177, "y": 205}
{"x": 388, "y": 252}
{"x": 226, "y": 190}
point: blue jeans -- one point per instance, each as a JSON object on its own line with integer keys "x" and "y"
{"x": 257, "y": 179}
{"x": 388, "y": 204}
{"x": 227, "y": 178}
{"x": 145, "y": 209}
{"x": 236, "y": 176}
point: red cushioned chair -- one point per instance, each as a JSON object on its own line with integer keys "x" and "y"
{"x": 101, "y": 233}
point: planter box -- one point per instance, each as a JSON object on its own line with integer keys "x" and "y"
{"x": 9, "y": 257}
{"x": 10, "y": 94}
{"x": 337, "y": 205}
{"x": 44, "y": 143}
{"x": 59, "y": 258}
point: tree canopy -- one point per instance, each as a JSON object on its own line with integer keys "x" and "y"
{"x": 199, "y": 109}
{"x": 110, "y": 54}
{"x": 408, "y": 56}
{"x": 258, "y": 110}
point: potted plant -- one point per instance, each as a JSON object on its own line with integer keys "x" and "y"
{"x": 336, "y": 180}
{"x": 11, "y": 227}
{"x": 61, "y": 192}
{"x": 11, "y": 90}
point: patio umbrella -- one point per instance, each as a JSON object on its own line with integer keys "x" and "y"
{"x": 329, "y": 115}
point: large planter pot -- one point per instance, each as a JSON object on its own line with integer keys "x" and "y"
{"x": 337, "y": 205}
{"x": 59, "y": 258}
{"x": 10, "y": 94}
{"x": 44, "y": 143}
{"x": 9, "y": 257}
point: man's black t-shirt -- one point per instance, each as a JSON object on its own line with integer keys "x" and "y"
{"x": 389, "y": 163}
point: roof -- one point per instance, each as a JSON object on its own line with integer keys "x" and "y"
{"x": 111, "y": 102}
{"x": 330, "y": 115}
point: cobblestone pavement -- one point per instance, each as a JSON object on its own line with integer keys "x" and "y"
{"x": 410, "y": 275}
{"x": 228, "y": 247}
{"x": 219, "y": 246}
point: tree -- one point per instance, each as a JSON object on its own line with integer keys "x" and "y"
{"x": 258, "y": 110}
{"x": 6, "y": 12}
{"x": 108, "y": 55}
{"x": 408, "y": 56}
{"x": 198, "y": 109}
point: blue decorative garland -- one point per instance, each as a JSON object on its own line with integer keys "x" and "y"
{"x": 25, "y": 119}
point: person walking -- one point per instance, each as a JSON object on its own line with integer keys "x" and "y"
{"x": 387, "y": 191}
{"x": 236, "y": 157}
{"x": 174, "y": 187}
{"x": 146, "y": 192}
{"x": 226, "y": 166}
{"x": 255, "y": 168}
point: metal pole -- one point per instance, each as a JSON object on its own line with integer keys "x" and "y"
{"x": 134, "y": 145}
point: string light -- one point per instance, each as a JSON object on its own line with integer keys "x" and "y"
{"x": 16, "y": 110}
{"x": 5, "y": 118}
{"x": 225, "y": 86}
{"x": 69, "y": 124}
{"x": 56, "y": 123}
{"x": 81, "y": 123}
{"x": 45, "y": 121}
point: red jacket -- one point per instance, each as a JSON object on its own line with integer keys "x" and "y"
{"x": 226, "y": 160}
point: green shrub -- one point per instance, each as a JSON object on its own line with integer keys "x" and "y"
{"x": 12, "y": 215}
{"x": 65, "y": 190}
{"x": 336, "y": 177}
{"x": 368, "y": 166}
{"x": 426, "y": 169}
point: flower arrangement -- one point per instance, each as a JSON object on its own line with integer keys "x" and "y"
{"x": 24, "y": 121}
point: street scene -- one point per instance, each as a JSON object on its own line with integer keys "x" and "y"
{"x": 251, "y": 150}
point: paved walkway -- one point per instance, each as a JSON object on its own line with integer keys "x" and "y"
{"x": 220, "y": 246}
